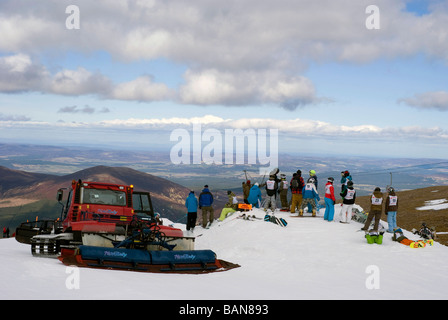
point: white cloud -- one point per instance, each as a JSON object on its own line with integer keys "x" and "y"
{"x": 79, "y": 82}
{"x": 18, "y": 73}
{"x": 212, "y": 87}
{"x": 141, "y": 89}
{"x": 230, "y": 35}
{"x": 292, "y": 128}
{"x": 86, "y": 109}
{"x": 429, "y": 100}
{"x": 237, "y": 52}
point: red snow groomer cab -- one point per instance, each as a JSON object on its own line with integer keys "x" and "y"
{"x": 95, "y": 206}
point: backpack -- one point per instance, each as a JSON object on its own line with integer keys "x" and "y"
{"x": 295, "y": 183}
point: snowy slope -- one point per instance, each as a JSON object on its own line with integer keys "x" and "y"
{"x": 309, "y": 259}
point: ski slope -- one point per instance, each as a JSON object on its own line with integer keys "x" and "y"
{"x": 309, "y": 259}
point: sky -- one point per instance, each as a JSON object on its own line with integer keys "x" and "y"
{"x": 333, "y": 77}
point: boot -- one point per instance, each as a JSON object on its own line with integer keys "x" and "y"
{"x": 314, "y": 212}
{"x": 300, "y": 213}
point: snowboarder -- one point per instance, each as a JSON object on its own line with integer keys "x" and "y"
{"x": 192, "y": 210}
{"x": 206, "y": 204}
{"x": 345, "y": 177}
{"x": 391, "y": 208}
{"x": 329, "y": 200}
{"x": 425, "y": 232}
{"x": 313, "y": 177}
{"x": 296, "y": 186}
{"x": 232, "y": 201}
{"x": 230, "y": 207}
{"x": 246, "y": 190}
{"x": 376, "y": 209}
{"x": 400, "y": 237}
{"x": 271, "y": 193}
{"x": 254, "y": 197}
{"x": 349, "y": 197}
{"x": 310, "y": 196}
{"x": 158, "y": 219}
{"x": 283, "y": 191}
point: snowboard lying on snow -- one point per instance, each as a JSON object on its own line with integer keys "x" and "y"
{"x": 415, "y": 244}
{"x": 418, "y": 243}
{"x": 271, "y": 218}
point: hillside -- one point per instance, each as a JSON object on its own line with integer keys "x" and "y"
{"x": 409, "y": 217}
{"x": 308, "y": 259}
{"x": 23, "y": 192}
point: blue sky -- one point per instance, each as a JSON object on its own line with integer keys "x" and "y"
{"x": 137, "y": 70}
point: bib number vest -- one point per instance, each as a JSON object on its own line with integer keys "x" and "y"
{"x": 393, "y": 200}
{"x": 350, "y": 194}
{"x": 377, "y": 201}
{"x": 270, "y": 184}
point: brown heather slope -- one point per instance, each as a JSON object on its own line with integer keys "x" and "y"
{"x": 408, "y": 217}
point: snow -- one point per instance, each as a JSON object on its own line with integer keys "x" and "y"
{"x": 439, "y": 204}
{"x": 309, "y": 259}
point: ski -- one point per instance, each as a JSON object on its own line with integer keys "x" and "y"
{"x": 248, "y": 217}
{"x": 303, "y": 216}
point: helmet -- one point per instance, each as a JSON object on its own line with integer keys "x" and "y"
{"x": 312, "y": 172}
{"x": 331, "y": 179}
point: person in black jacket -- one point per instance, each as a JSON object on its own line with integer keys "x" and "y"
{"x": 349, "y": 196}
{"x": 271, "y": 193}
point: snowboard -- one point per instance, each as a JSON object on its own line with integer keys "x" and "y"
{"x": 421, "y": 243}
{"x": 280, "y": 221}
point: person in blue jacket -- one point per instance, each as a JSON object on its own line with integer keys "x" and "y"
{"x": 309, "y": 196}
{"x": 254, "y": 197}
{"x": 192, "y": 208}
{"x": 206, "y": 204}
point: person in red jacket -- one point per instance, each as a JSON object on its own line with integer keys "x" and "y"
{"x": 330, "y": 200}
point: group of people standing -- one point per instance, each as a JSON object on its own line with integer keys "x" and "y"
{"x": 303, "y": 195}
{"x": 376, "y": 209}
{"x": 348, "y": 194}
{"x": 205, "y": 203}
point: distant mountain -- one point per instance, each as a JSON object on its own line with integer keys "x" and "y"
{"x": 11, "y": 179}
{"x": 168, "y": 197}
